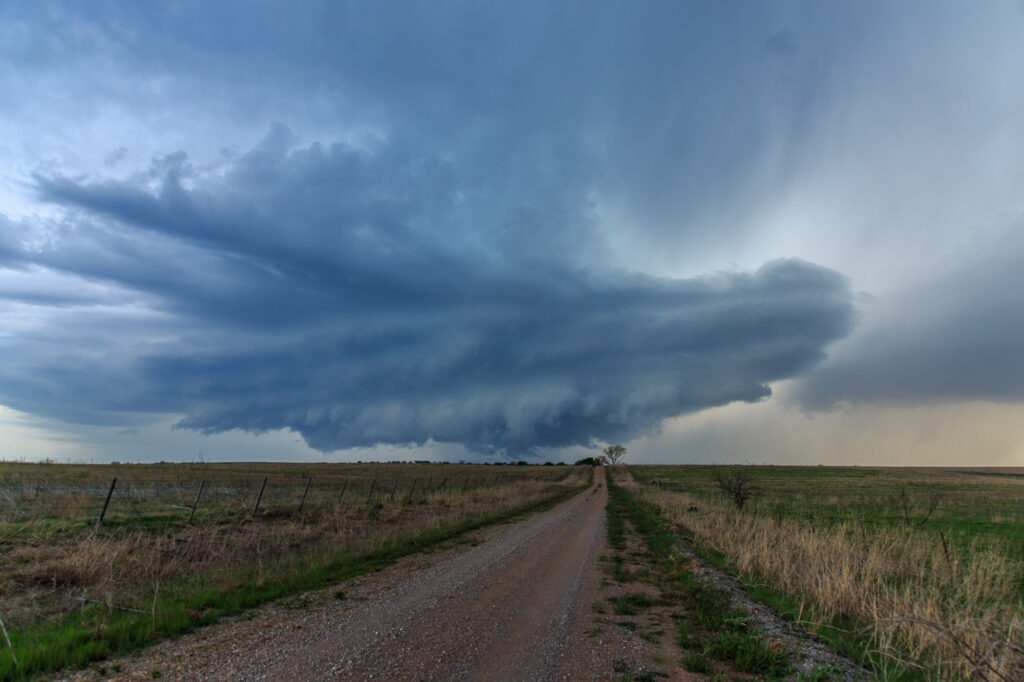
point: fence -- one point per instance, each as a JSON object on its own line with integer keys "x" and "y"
{"x": 130, "y": 496}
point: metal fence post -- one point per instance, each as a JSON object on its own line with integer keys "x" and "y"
{"x": 260, "y": 496}
{"x": 106, "y": 502}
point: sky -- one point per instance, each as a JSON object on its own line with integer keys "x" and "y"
{"x": 785, "y": 232}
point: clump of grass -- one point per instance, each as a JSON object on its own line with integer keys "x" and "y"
{"x": 749, "y": 653}
{"x": 630, "y": 604}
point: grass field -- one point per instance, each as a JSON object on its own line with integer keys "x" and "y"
{"x": 927, "y": 565}
{"x": 972, "y": 503}
{"x": 73, "y": 590}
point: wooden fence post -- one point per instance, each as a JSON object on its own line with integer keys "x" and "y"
{"x": 195, "y": 502}
{"x": 106, "y": 502}
{"x": 440, "y": 487}
{"x": 343, "y": 489}
{"x": 259, "y": 497}
{"x": 372, "y": 486}
{"x": 394, "y": 487}
{"x": 305, "y": 492}
{"x": 409, "y": 499}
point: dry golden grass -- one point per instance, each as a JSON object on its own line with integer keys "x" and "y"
{"x": 955, "y": 616}
{"x": 60, "y": 492}
{"x": 46, "y": 568}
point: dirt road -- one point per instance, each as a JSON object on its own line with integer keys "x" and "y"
{"x": 515, "y": 607}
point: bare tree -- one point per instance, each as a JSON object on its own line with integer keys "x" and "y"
{"x": 613, "y": 453}
{"x": 737, "y": 485}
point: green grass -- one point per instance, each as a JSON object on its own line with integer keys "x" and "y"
{"x": 975, "y": 504}
{"x": 95, "y": 632}
{"x": 749, "y": 653}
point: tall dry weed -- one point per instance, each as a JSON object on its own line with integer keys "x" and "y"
{"x": 956, "y": 616}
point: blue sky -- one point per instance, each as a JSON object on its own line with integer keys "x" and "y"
{"x": 785, "y": 232}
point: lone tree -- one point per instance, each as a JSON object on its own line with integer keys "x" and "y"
{"x": 737, "y": 485}
{"x": 613, "y": 453}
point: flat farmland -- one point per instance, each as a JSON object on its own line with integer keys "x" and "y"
{"x": 970, "y": 504}
{"x": 181, "y": 545}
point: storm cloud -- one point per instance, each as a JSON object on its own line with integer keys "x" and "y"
{"x": 957, "y": 337}
{"x": 292, "y": 289}
{"x": 503, "y": 225}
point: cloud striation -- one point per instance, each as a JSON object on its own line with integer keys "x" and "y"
{"x": 309, "y": 288}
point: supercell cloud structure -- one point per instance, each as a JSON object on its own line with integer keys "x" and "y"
{"x": 289, "y": 291}
{"x": 507, "y": 226}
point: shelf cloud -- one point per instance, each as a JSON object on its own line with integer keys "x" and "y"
{"x": 289, "y": 290}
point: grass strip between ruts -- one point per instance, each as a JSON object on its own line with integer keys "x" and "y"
{"x": 76, "y": 642}
{"x": 728, "y": 637}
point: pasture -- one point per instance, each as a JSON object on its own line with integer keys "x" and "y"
{"x": 971, "y": 503}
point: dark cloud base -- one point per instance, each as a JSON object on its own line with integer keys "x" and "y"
{"x": 311, "y": 289}
{"x": 602, "y": 363}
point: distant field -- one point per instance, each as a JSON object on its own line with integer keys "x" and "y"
{"x": 972, "y": 503}
{"x": 159, "y": 495}
{"x": 73, "y": 589}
